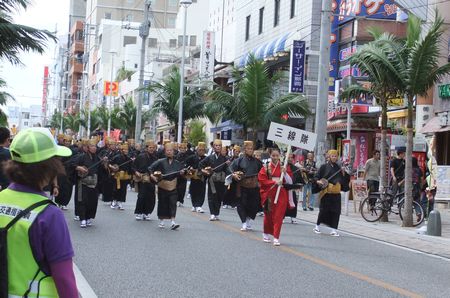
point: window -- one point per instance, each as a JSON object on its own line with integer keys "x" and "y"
{"x": 25, "y": 123}
{"x": 180, "y": 40}
{"x": 173, "y": 3}
{"x": 292, "y": 8}
{"x": 261, "y": 20}
{"x": 171, "y": 20}
{"x": 129, "y": 18}
{"x": 135, "y": 65}
{"x": 152, "y": 42}
{"x": 108, "y": 15}
{"x": 247, "y": 28}
{"x": 193, "y": 41}
{"x": 172, "y": 43}
{"x": 276, "y": 16}
{"x": 129, "y": 40}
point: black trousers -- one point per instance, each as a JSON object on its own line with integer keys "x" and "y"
{"x": 120, "y": 195}
{"x": 230, "y": 198}
{"x": 181, "y": 189}
{"x": 145, "y": 203}
{"x": 215, "y": 199}
{"x": 249, "y": 203}
{"x": 87, "y": 207}
{"x": 373, "y": 185}
{"x": 292, "y": 212}
{"x": 330, "y": 210}
{"x": 77, "y": 197}
{"x": 65, "y": 191}
{"x": 108, "y": 185}
{"x": 167, "y": 204}
{"x": 197, "y": 189}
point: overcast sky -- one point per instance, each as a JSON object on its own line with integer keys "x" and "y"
{"x": 25, "y": 82}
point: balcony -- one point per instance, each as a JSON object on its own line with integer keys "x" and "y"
{"x": 77, "y": 47}
{"x": 75, "y": 66}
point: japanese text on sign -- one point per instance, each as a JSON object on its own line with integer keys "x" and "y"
{"x": 292, "y": 136}
{"x": 297, "y": 73}
{"x": 207, "y": 58}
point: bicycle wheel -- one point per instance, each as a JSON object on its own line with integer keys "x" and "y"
{"x": 417, "y": 212}
{"x": 372, "y": 209}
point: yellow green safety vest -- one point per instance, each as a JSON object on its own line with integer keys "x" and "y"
{"x": 24, "y": 274}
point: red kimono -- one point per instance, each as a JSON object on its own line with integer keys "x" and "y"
{"x": 274, "y": 213}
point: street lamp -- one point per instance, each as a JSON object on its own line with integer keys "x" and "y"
{"x": 112, "y": 52}
{"x": 185, "y": 4}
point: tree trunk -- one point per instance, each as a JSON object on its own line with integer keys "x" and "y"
{"x": 383, "y": 151}
{"x": 407, "y": 217}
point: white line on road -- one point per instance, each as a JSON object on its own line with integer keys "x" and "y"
{"x": 84, "y": 289}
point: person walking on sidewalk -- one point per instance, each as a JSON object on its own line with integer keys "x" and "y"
{"x": 372, "y": 172}
{"x": 35, "y": 250}
{"x": 330, "y": 179}
{"x": 398, "y": 171}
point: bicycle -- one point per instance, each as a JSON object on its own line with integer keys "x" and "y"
{"x": 374, "y": 207}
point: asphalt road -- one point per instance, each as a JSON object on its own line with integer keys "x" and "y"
{"x": 121, "y": 257}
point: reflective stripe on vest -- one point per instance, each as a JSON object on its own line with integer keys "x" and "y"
{"x": 22, "y": 266}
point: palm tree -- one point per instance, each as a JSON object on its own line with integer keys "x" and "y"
{"x": 413, "y": 66}
{"x": 167, "y": 95}
{"x": 72, "y": 122}
{"x": 253, "y": 104}
{"x": 126, "y": 117}
{"x": 17, "y": 38}
{"x": 196, "y": 134}
{"x": 4, "y": 97}
{"x": 123, "y": 73}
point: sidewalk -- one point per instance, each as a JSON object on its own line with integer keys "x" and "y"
{"x": 391, "y": 231}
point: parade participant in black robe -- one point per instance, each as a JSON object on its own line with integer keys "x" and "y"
{"x": 215, "y": 168}
{"x": 87, "y": 196}
{"x": 297, "y": 181}
{"x": 165, "y": 172}
{"x": 197, "y": 187}
{"x": 66, "y": 181}
{"x": 330, "y": 203}
{"x": 182, "y": 181}
{"x": 121, "y": 165}
{"x": 245, "y": 171}
{"x": 231, "y": 199}
{"x": 106, "y": 179}
{"x": 146, "y": 190}
{"x": 161, "y": 151}
{"x": 82, "y": 149}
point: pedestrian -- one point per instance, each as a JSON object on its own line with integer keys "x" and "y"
{"x": 372, "y": 172}
{"x": 330, "y": 178}
{"x": 165, "y": 172}
{"x": 146, "y": 190}
{"x": 297, "y": 184}
{"x": 37, "y": 256}
{"x": 197, "y": 187}
{"x": 4, "y": 155}
{"x": 309, "y": 170}
{"x": 215, "y": 169}
{"x": 245, "y": 171}
{"x": 398, "y": 171}
{"x": 269, "y": 178}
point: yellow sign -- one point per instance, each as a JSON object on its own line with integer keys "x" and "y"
{"x": 396, "y": 102}
{"x": 107, "y": 88}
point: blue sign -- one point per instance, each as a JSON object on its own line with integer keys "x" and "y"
{"x": 297, "y": 75}
{"x": 146, "y": 99}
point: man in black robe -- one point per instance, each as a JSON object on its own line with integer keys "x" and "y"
{"x": 245, "y": 171}
{"x": 230, "y": 200}
{"x": 197, "y": 187}
{"x": 165, "y": 172}
{"x": 330, "y": 203}
{"x": 87, "y": 196}
{"x": 298, "y": 182}
{"x": 215, "y": 168}
{"x": 146, "y": 190}
{"x": 122, "y": 168}
{"x": 66, "y": 181}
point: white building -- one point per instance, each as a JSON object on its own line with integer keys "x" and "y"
{"x": 24, "y": 117}
{"x": 222, "y": 20}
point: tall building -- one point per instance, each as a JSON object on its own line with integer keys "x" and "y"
{"x": 222, "y": 20}
{"x": 24, "y": 117}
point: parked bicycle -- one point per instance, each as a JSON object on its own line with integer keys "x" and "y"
{"x": 375, "y": 206}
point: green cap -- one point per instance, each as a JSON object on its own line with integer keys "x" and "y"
{"x": 34, "y": 145}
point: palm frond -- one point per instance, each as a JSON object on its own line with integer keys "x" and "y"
{"x": 13, "y": 5}
{"x": 296, "y": 104}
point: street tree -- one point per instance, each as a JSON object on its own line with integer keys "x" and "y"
{"x": 4, "y": 97}
{"x": 126, "y": 117}
{"x": 254, "y": 104}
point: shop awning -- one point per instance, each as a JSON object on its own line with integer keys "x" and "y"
{"x": 398, "y": 114}
{"x": 341, "y": 125}
{"x": 224, "y": 126}
{"x": 164, "y": 127}
{"x": 269, "y": 49}
{"x": 434, "y": 125}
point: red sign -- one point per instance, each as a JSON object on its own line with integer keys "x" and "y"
{"x": 45, "y": 91}
{"x": 421, "y": 159}
{"x": 107, "y": 88}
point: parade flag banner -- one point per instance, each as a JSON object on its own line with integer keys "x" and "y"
{"x": 292, "y": 136}
{"x": 207, "y": 59}
{"x": 297, "y": 69}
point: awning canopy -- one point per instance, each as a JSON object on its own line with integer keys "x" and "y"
{"x": 224, "y": 126}
{"x": 164, "y": 127}
{"x": 268, "y": 49}
{"x": 434, "y": 125}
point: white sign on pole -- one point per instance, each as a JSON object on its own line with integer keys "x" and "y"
{"x": 207, "y": 59}
{"x": 292, "y": 136}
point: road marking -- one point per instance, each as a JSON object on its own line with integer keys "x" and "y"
{"x": 318, "y": 261}
{"x": 84, "y": 289}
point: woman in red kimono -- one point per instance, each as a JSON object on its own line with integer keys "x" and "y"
{"x": 269, "y": 180}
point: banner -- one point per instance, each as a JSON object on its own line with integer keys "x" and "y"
{"x": 292, "y": 136}
{"x": 297, "y": 68}
{"x": 207, "y": 58}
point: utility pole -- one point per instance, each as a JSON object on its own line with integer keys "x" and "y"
{"x": 322, "y": 87}
{"x": 143, "y": 33}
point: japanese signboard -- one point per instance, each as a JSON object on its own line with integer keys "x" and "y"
{"x": 207, "y": 59}
{"x": 107, "y": 88}
{"x": 292, "y": 136}
{"x": 443, "y": 182}
{"x": 45, "y": 91}
{"x": 297, "y": 70}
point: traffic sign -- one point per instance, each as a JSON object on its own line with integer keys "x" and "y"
{"x": 292, "y": 136}
{"x": 107, "y": 88}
